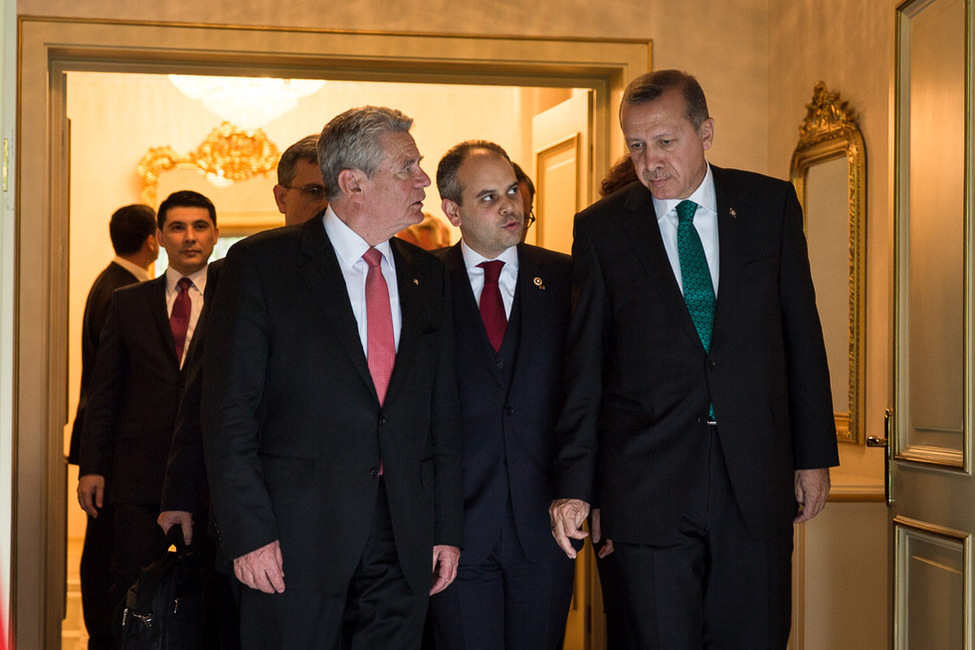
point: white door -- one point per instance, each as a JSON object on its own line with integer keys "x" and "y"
{"x": 561, "y": 146}
{"x": 932, "y": 490}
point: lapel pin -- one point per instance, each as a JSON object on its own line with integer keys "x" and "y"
{"x": 416, "y": 282}
{"x": 539, "y": 283}
{"x": 731, "y": 211}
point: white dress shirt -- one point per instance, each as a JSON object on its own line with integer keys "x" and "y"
{"x": 140, "y": 273}
{"x": 349, "y": 248}
{"x": 507, "y": 281}
{"x": 199, "y": 280}
{"x": 705, "y": 221}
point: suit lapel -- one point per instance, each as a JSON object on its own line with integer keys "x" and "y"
{"x": 411, "y": 307}
{"x": 639, "y": 223}
{"x": 467, "y": 314}
{"x": 322, "y": 275}
{"x": 156, "y": 294}
{"x": 199, "y": 332}
{"x": 730, "y": 203}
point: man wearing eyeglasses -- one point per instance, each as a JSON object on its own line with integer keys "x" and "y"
{"x": 527, "y": 190}
{"x": 300, "y": 192}
{"x": 511, "y": 305}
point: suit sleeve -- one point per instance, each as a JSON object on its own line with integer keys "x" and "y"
{"x": 582, "y": 376}
{"x": 105, "y": 393}
{"x": 234, "y": 366}
{"x": 810, "y": 399}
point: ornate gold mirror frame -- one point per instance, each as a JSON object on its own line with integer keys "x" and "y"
{"x": 830, "y": 132}
{"x": 227, "y": 155}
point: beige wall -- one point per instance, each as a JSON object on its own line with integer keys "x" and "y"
{"x": 848, "y": 45}
{"x": 724, "y": 43}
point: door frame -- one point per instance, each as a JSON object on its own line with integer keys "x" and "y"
{"x": 48, "y": 48}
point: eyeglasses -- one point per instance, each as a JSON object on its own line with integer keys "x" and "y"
{"x": 529, "y": 219}
{"x": 311, "y": 191}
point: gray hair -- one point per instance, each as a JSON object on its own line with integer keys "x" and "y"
{"x": 304, "y": 149}
{"x": 351, "y": 140}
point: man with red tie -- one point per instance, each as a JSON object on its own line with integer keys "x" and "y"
{"x": 511, "y": 306}
{"x": 330, "y": 419}
{"x": 136, "y": 385}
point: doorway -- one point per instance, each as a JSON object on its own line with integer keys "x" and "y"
{"x": 50, "y": 50}
{"x": 119, "y": 119}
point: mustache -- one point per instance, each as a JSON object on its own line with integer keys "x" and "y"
{"x": 655, "y": 175}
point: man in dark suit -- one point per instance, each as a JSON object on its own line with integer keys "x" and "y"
{"x": 135, "y": 388}
{"x": 702, "y": 423}
{"x": 330, "y": 415}
{"x": 132, "y": 229}
{"x": 300, "y": 196}
{"x": 511, "y": 312}
{"x": 299, "y": 193}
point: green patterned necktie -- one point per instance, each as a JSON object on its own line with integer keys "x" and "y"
{"x": 695, "y": 275}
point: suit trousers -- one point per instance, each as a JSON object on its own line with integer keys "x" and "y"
{"x": 377, "y": 610}
{"x": 96, "y": 580}
{"x": 712, "y": 584}
{"x": 505, "y": 601}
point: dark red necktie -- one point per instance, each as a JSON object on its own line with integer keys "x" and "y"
{"x": 492, "y": 307}
{"x": 381, "y": 346}
{"x": 179, "y": 318}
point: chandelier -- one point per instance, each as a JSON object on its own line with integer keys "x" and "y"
{"x": 248, "y": 102}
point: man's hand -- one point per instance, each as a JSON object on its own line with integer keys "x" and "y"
{"x": 567, "y": 516}
{"x": 812, "y": 488}
{"x": 262, "y": 569}
{"x": 597, "y": 534}
{"x": 91, "y": 493}
{"x": 169, "y": 518}
{"x": 445, "y": 561}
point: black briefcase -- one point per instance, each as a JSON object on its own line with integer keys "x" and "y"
{"x": 163, "y": 610}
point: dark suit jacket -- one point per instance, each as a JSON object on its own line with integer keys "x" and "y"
{"x": 509, "y": 414}
{"x": 113, "y": 277}
{"x": 184, "y": 486}
{"x": 639, "y": 379}
{"x": 292, "y": 425}
{"x": 134, "y": 395}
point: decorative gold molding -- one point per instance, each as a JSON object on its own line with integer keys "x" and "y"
{"x": 830, "y": 130}
{"x": 228, "y": 152}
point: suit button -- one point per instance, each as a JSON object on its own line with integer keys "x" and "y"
{"x": 382, "y": 422}
{"x": 509, "y": 411}
{"x": 374, "y": 472}
{"x": 711, "y": 365}
{"x": 500, "y": 365}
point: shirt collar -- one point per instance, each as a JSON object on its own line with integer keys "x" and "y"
{"x": 199, "y": 279}
{"x": 349, "y": 246}
{"x": 704, "y": 196}
{"x": 472, "y": 258}
{"x": 140, "y": 273}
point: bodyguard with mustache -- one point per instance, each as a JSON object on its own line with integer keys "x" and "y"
{"x": 330, "y": 414}
{"x": 137, "y": 382}
{"x": 511, "y": 306}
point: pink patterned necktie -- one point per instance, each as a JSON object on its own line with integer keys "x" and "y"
{"x": 179, "y": 318}
{"x": 492, "y": 306}
{"x": 381, "y": 352}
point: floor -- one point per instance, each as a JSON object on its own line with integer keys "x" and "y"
{"x": 73, "y": 634}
